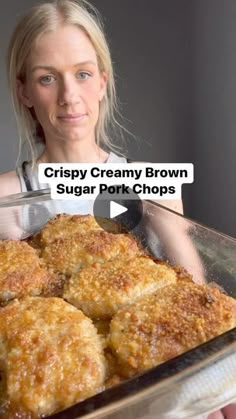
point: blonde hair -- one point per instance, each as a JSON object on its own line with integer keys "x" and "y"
{"x": 37, "y": 21}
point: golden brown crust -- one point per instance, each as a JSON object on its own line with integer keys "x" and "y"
{"x": 99, "y": 290}
{"x": 51, "y": 354}
{"x": 14, "y": 411}
{"x": 69, "y": 255}
{"x": 65, "y": 225}
{"x": 169, "y": 322}
{"x": 182, "y": 274}
{"x": 114, "y": 380}
{"x": 22, "y": 273}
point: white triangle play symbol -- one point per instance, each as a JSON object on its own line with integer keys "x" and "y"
{"x": 116, "y": 209}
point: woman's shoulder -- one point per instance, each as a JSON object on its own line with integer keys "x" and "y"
{"x": 9, "y": 183}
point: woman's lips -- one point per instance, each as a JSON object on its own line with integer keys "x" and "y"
{"x": 71, "y": 118}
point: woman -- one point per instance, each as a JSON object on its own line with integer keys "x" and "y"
{"x": 62, "y": 85}
{"x": 65, "y": 102}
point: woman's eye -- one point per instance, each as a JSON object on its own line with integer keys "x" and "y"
{"x": 47, "y": 80}
{"x": 83, "y": 75}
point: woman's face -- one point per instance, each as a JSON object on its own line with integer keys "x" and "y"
{"x": 64, "y": 85}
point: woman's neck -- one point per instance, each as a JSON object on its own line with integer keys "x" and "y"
{"x": 73, "y": 153}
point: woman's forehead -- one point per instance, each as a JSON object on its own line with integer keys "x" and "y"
{"x": 66, "y": 45}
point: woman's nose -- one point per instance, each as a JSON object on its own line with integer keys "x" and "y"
{"x": 69, "y": 92}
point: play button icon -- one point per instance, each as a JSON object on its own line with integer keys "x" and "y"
{"x": 118, "y": 211}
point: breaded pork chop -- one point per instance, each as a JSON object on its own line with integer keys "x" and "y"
{"x": 65, "y": 225}
{"x": 50, "y": 354}
{"x": 69, "y": 255}
{"x": 21, "y": 271}
{"x": 99, "y": 290}
{"x": 168, "y": 323}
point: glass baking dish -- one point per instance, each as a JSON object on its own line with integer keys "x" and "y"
{"x": 190, "y": 385}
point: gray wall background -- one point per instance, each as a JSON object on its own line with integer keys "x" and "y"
{"x": 175, "y": 63}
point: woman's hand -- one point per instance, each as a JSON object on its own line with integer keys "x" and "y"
{"x": 174, "y": 234}
{"x": 228, "y": 412}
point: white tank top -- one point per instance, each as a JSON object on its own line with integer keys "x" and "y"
{"x": 54, "y": 207}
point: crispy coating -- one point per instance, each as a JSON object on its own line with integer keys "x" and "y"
{"x": 99, "y": 290}
{"x": 69, "y": 255}
{"x": 65, "y": 225}
{"x": 21, "y": 271}
{"x": 168, "y": 323}
{"x": 50, "y": 353}
{"x": 114, "y": 380}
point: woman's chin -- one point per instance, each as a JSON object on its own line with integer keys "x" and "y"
{"x": 73, "y": 134}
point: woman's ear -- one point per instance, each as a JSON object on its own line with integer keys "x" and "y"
{"x": 103, "y": 85}
{"x": 22, "y": 94}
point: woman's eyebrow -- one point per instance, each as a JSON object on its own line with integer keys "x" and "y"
{"x": 51, "y": 68}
